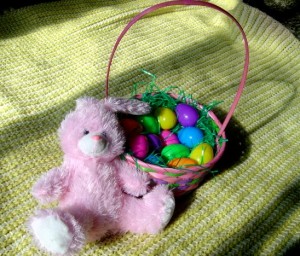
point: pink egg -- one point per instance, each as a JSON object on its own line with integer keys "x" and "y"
{"x": 169, "y": 138}
{"x": 139, "y": 145}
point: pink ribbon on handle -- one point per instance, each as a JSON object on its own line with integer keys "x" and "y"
{"x": 196, "y": 3}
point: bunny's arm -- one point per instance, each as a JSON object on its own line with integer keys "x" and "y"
{"x": 133, "y": 181}
{"x": 51, "y": 186}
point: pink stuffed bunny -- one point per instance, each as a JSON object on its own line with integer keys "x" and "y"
{"x": 98, "y": 193}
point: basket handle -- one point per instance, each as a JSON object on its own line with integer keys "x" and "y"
{"x": 196, "y": 3}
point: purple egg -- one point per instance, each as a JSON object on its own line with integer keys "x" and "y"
{"x": 186, "y": 114}
{"x": 154, "y": 141}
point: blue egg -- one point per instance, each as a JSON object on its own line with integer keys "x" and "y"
{"x": 190, "y": 136}
{"x": 154, "y": 159}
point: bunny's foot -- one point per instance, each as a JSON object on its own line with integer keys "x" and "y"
{"x": 150, "y": 214}
{"x": 57, "y": 232}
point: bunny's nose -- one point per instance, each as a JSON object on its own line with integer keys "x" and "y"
{"x": 97, "y": 137}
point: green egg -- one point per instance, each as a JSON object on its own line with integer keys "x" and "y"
{"x": 149, "y": 123}
{"x": 174, "y": 151}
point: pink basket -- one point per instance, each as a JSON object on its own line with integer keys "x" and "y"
{"x": 186, "y": 179}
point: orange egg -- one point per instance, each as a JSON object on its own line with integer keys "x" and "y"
{"x": 182, "y": 162}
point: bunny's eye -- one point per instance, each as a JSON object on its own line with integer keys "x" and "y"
{"x": 86, "y": 132}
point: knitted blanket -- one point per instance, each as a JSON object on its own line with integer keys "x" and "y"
{"x": 53, "y": 53}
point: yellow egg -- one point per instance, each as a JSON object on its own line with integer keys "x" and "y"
{"x": 203, "y": 153}
{"x": 182, "y": 162}
{"x": 166, "y": 118}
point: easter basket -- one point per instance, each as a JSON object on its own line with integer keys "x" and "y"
{"x": 184, "y": 178}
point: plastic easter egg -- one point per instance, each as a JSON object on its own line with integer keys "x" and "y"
{"x": 182, "y": 162}
{"x": 174, "y": 151}
{"x": 186, "y": 114}
{"x": 169, "y": 138}
{"x": 155, "y": 142}
{"x": 139, "y": 145}
{"x": 190, "y": 136}
{"x": 166, "y": 118}
{"x": 131, "y": 126}
{"x": 203, "y": 153}
{"x": 149, "y": 123}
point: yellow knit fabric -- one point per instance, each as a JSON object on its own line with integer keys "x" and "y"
{"x": 53, "y": 53}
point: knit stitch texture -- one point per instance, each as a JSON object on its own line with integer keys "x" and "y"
{"x": 53, "y": 53}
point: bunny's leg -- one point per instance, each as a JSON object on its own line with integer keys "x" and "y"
{"x": 149, "y": 214}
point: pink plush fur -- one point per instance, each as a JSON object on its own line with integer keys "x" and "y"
{"x": 96, "y": 190}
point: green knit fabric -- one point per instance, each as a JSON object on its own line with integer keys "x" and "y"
{"x": 53, "y": 53}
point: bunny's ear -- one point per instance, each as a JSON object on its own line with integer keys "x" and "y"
{"x": 85, "y": 101}
{"x": 128, "y": 106}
